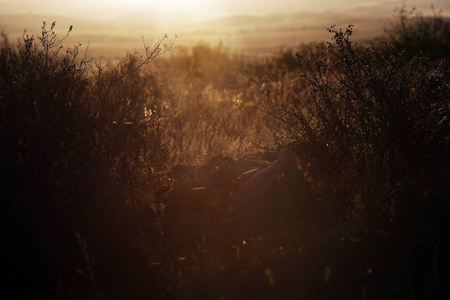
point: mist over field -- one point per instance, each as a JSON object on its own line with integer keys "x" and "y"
{"x": 252, "y": 27}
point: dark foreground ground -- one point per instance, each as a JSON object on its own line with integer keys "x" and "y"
{"x": 231, "y": 229}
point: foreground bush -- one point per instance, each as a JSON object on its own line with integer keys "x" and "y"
{"x": 80, "y": 155}
{"x": 366, "y": 105}
{"x": 371, "y": 127}
{"x": 416, "y": 34}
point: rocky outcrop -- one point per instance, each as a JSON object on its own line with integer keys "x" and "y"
{"x": 238, "y": 199}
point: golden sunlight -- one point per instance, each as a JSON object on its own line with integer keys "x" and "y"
{"x": 184, "y": 9}
{"x": 253, "y": 26}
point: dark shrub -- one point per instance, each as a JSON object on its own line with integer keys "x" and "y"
{"x": 81, "y": 150}
{"x": 371, "y": 110}
{"x": 371, "y": 127}
{"x": 415, "y": 33}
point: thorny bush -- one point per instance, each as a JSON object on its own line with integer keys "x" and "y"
{"x": 371, "y": 110}
{"x": 415, "y": 34}
{"x": 80, "y": 153}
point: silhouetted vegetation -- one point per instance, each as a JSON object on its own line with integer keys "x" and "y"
{"x": 372, "y": 131}
{"x": 416, "y": 34}
{"x": 81, "y": 153}
{"x": 112, "y": 186}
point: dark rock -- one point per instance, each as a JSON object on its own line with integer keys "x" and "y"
{"x": 270, "y": 200}
{"x": 270, "y": 155}
{"x": 238, "y": 199}
{"x": 180, "y": 172}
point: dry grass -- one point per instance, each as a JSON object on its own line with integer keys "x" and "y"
{"x": 214, "y": 101}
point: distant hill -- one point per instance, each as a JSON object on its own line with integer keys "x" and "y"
{"x": 251, "y": 33}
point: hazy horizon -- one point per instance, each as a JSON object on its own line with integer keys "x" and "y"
{"x": 112, "y": 27}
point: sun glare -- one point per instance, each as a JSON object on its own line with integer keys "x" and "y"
{"x": 184, "y": 9}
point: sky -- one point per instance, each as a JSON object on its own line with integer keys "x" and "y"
{"x": 112, "y": 24}
{"x": 194, "y": 8}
